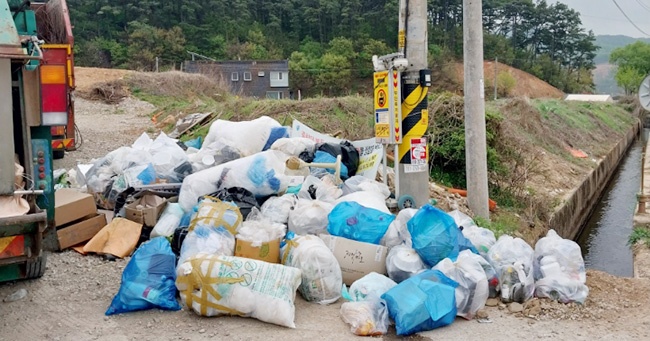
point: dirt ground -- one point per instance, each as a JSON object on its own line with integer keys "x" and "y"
{"x": 69, "y": 302}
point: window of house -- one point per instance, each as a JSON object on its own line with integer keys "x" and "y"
{"x": 274, "y": 94}
{"x": 247, "y": 76}
{"x": 234, "y": 76}
{"x": 279, "y": 79}
{"x": 260, "y": 73}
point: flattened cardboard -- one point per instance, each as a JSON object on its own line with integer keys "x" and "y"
{"x": 267, "y": 252}
{"x": 80, "y": 232}
{"x": 356, "y": 259}
{"x": 119, "y": 238}
{"x": 71, "y": 205}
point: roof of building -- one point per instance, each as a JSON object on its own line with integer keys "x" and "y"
{"x": 589, "y": 98}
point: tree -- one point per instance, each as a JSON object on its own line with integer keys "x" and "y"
{"x": 629, "y": 79}
{"x": 633, "y": 63}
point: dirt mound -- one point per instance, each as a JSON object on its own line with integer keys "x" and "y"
{"x": 526, "y": 84}
{"x": 87, "y": 77}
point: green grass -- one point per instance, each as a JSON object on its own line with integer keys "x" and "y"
{"x": 639, "y": 234}
{"x": 502, "y": 223}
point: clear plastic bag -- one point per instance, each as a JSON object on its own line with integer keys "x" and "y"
{"x": 403, "y": 263}
{"x": 366, "y": 318}
{"x": 398, "y": 233}
{"x": 559, "y": 269}
{"x": 482, "y": 238}
{"x": 207, "y": 240}
{"x": 279, "y": 208}
{"x": 309, "y": 217}
{"x": 148, "y": 280}
{"x": 262, "y": 174}
{"x": 512, "y": 259}
{"x": 368, "y": 199}
{"x": 321, "y": 273}
{"x": 258, "y": 229}
{"x": 353, "y": 221}
{"x": 169, "y": 220}
{"x": 423, "y": 302}
{"x": 472, "y": 291}
{"x": 360, "y": 183}
{"x": 295, "y": 146}
{"x": 214, "y": 154}
{"x": 368, "y": 286}
{"x": 221, "y": 285}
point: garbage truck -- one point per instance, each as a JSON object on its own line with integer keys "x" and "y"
{"x": 29, "y": 86}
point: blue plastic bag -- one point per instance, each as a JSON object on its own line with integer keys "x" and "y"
{"x": 435, "y": 235}
{"x": 148, "y": 281}
{"x": 423, "y": 302}
{"x": 194, "y": 143}
{"x": 353, "y": 221}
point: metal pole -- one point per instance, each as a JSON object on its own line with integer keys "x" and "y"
{"x": 474, "y": 89}
{"x": 413, "y": 179}
{"x": 496, "y": 65}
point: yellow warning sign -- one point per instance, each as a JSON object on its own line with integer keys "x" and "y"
{"x": 382, "y": 117}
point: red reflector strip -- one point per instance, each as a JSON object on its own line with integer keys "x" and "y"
{"x": 12, "y": 246}
{"x": 55, "y": 98}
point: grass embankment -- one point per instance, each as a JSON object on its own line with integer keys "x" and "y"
{"x": 530, "y": 163}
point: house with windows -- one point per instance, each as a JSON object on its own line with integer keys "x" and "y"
{"x": 255, "y": 78}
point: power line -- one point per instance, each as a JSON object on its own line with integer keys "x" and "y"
{"x": 646, "y": 7}
{"x": 630, "y": 20}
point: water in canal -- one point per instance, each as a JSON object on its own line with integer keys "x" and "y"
{"x": 604, "y": 237}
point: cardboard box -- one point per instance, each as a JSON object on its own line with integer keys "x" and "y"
{"x": 268, "y": 252}
{"x": 71, "y": 205}
{"x": 151, "y": 208}
{"x": 81, "y": 231}
{"x": 356, "y": 259}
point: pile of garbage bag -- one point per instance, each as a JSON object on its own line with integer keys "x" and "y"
{"x": 253, "y": 221}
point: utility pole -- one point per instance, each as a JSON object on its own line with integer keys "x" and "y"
{"x": 156, "y": 64}
{"x": 474, "y": 89}
{"x": 412, "y": 155}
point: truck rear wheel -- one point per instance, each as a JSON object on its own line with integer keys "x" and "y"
{"x": 58, "y": 154}
{"x": 36, "y": 269}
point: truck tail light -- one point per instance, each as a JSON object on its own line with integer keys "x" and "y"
{"x": 54, "y": 95}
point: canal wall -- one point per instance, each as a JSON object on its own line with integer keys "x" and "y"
{"x": 569, "y": 218}
{"x": 641, "y": 251}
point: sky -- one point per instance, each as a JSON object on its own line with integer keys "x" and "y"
{"x": 603, "y": 17}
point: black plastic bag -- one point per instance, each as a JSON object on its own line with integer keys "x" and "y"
{"x": 349, "y": 154}
{"x": 241, "y": 197}
{"x": 177, "y": 239}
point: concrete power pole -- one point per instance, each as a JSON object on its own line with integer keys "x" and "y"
{"x": 474, "y": 88}
{"x": 413, "y": 176}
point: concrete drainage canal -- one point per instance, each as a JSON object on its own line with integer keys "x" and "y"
{"x": 605, "y": 234}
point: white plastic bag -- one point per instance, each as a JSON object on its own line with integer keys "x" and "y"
{"x": 249, "y": 137}
{"x": 294, "y": 146}
{"x": 403, "y": 263}
{"x": 366, "y": 318}
{"x": 398, "y": 232}
{"x": 204, "y": 240}
{"x": 482, "y": 238}
{"x": 472, "y": 290}
{"x": 368, "y": 199}
{"x": 169, "y": 220}
{"x": 222, "y": 285}
{"x": 462, "y": 220}
{"x": 360, "y": 183}
{"x": 321, "y": 273}
{"x": 214, "y": 154}
{"x": 320, "y": 189}
{"x": 368, "y": 286}
{"x": 166, "y": 155}
{"x": 279, "y": 208}
{"x": 262, "y": 174}
{"x": 559, "y": 269}
{"x": 258, "y": 229}
{"x": 309, "y": 217}
{"x": 512, "y": 259}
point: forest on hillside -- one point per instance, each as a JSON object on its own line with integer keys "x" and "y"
{"x": 329, "y": 43}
